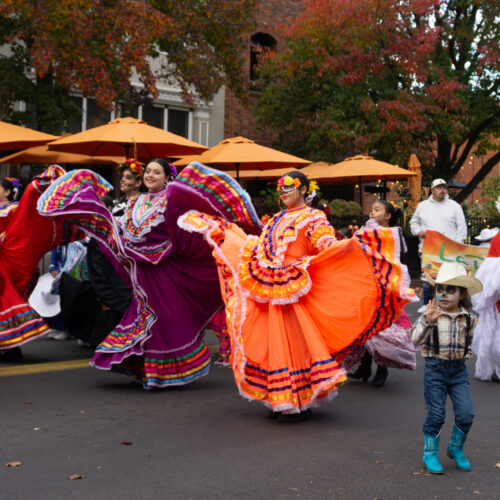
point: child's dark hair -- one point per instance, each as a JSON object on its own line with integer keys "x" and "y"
{"x": 465, "y": 300}
{"x": 395, "y": 212}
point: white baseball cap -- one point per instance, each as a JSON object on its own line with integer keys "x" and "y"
{"x": 438, "y": 182}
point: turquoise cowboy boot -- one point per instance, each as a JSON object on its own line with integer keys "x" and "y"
{"x": 430, "y": 458}
{"x": 455, "y": 449}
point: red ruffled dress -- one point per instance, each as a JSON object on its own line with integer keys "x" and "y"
{"x": 26, "y": 240}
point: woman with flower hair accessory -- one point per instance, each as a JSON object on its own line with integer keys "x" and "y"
{"x": 298, "y": 301}
{"x": 130, "y": 184}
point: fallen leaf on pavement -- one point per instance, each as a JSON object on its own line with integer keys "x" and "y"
{"x": 379, "y": 462}
{"x": 28, "y": 402}
{"x": 459, "y": 488}
{"x": 126, "y": 442}
{"x": 76, "y": 476}
{"x": 294, "y": 489}
{"x": 13, "y": 464}
{"x": 416, "y": 473}
{"x": 476, "y": 492}
{"x": 497, "y": 465}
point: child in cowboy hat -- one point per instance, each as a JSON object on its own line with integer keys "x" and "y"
{"x": 445, "y": 332}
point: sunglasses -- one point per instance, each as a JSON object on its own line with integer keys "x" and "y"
{"x": 448, "y": 289}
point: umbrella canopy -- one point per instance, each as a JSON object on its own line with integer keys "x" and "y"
{"x": 415, "y": 183}
{"x": 274, "y": 173}
{"x": 130, "y": 137}
{"x": 16, "y": 137}
{"x": 240, "y": 153}
{"x": 353, "y": 170}
{"x": 186, "y": 160}
{"x": 41, "y": 154}
{"x": 356, "y": 169}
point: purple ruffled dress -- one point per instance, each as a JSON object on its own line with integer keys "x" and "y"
{"x": 172, "y": 273}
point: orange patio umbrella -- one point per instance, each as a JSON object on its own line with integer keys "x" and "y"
{"x": 240, "y": 153}
{"x": 274, "y": 173}
{"x": 415, "y": 183}
{"x": 130, "y": 137}
{"x": 357, "y": 169}
{"x": 16, "y": 137}
{"x": 41, "y": 154}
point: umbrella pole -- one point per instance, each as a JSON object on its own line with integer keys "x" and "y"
{"x": 360, "y": 195}
{"x": 384, "y": 194}
{"x": 237, "y": 165}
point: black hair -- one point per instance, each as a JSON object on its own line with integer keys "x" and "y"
{"x": 7, "y": 185}
{"x": 165, "y": 165}
{"x": 304, "y": 181}
{"x": 465, "y": 300}
{"x": 395, "y": 213}
{"x": 108, "y": 201}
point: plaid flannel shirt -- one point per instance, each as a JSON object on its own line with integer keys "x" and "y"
{"x": 452, "y": 333}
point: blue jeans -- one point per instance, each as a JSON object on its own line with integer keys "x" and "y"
{"x": 442, "y": 377}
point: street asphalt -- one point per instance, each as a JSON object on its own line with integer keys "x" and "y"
{"x": 203, "y": 441}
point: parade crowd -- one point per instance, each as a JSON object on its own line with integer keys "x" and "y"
{"x": 298, "y": 308}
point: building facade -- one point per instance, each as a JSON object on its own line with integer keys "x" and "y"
{"x": 239, "y": 118}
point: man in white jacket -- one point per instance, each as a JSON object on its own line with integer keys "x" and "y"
{"x": 441, "y": 214}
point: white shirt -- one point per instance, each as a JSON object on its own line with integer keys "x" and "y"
{"x": 446, "y": 217}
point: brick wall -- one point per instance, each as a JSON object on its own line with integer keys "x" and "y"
{"x": 238, "y": 118}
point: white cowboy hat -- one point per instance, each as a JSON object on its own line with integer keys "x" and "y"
{"x": 497, "y": 203}
{"x": 487, "y": 234}
{"x": 45, "y": 303}
{"x": 452, "y": 273}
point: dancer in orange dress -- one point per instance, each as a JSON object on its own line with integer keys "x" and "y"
{"x": 297, "y": 300}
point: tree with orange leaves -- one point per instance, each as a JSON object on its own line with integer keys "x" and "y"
{"x": 95, "y": 46}
{"x": 392, "y": 76}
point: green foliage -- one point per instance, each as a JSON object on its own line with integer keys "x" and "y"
{"x": 491, "y": 192}
{"x": 51, "y": 47}
{"x": 268, "y": 202}
{"x": 342, "y": 208}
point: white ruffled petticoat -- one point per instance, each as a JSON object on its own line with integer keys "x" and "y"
{"x": 486, "y": 341}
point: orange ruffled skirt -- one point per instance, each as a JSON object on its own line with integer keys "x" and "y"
{"x": 288, "y": 356}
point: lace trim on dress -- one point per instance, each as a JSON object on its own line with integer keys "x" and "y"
{"x": 143, "y": 213}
